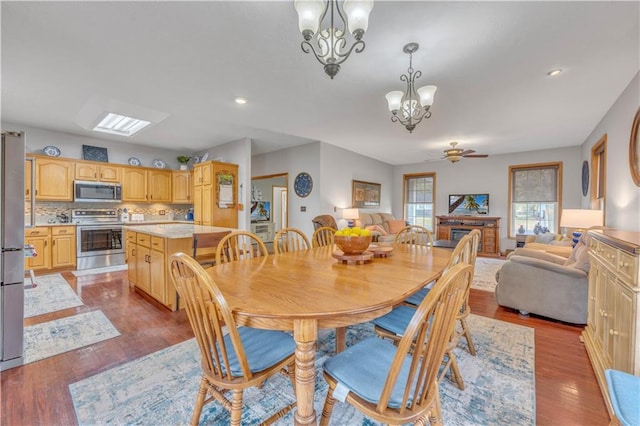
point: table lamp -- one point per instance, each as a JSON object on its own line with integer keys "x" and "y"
{"x": 580, "y": 220}
{"x": 350, "y": 215}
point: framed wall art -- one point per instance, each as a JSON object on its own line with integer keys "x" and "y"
{"x": 634, "y": 150}
{"x": 365, "y": 194}
{"x": 94, "y": 153}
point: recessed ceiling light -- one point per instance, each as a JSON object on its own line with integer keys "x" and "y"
{"x": 240, "y": 100}
{"x": 554, "y": 73}
{"x": 120, "y": 125}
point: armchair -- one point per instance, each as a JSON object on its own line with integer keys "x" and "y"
{"x": 545, "y": 284}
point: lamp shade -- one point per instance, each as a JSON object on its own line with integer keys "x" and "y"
{"x": 309, "y": 12}
{"x": 426, "y": 94}
{"x": 581, "y": 218}
{"x": 350, "y": 214}
{"x": 394, "y": 99}
{"x": 357, "y": 12}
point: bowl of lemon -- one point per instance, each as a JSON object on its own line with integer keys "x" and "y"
{"x": 353, "y": 240}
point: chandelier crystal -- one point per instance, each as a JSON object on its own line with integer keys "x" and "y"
{"x": 411, "y": 106}
{"x": 330, "y": 40}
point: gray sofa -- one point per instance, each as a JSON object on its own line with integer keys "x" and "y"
{"x": 541, "y": 283}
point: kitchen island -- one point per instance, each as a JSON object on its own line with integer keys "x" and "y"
{"x": 148, "y": 249}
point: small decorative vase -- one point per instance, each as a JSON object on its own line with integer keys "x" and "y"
{"x": 183, "y": 167}
{"x": 521, "y": 230}
{"x": 537, "y": 229}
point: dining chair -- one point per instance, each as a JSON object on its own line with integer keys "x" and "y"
{"x": 399, "y": 384}
{"x": 392, "y": 325}
{"x": 323, "y": 236}
{"x": 414, "y": 234}
{"x": 233, "y": 361}
{"x": 290, "y": 239}
{"x": 239, "y": 245}
{"x": 204, "y": 246}
{"x": 624, "y": 393}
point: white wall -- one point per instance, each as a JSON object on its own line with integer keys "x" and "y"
{"x": 622, "y": 208}
{"x": 71, "y": 146}
{"x": 491, "y": 176}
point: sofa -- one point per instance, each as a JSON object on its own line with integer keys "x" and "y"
{"x": 541, "y": 283}
{"x": 557, "y": 244}
{"x": 383, "y": 226}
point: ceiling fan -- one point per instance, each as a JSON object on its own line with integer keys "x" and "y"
{"x": 454, "y": 154}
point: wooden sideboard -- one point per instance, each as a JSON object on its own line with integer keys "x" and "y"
{"x": 454, "y": 227}
{"x": 612, "y": 335}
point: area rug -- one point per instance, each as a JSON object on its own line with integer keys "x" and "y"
{"x": 484, "y": 277}
{"x": 160, "y": 388}
{"x": 93, "y": 271}
{"x": 65, "y": 334}
{"x": 52, "y": 293}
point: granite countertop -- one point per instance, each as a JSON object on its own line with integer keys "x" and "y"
{"x": 174, "y": 230}
{"x": 143, "y": 222}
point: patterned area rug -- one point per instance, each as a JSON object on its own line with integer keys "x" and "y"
{"x": 65, "y": 334}
{"x": 93, "y": 271}
{"x": 161, "y": 388}
{"x": 484, "y": 277}
{"x": 52, "y": 293}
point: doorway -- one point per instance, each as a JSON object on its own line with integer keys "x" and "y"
{"x": 269, "y": 195}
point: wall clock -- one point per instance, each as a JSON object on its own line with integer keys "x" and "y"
{"x": 585, "y": 178}
{"x": 303, "y": 184}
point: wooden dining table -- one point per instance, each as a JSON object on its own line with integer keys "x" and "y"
{"x": 305, "y": 291}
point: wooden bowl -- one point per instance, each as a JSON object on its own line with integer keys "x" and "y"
{"x": 352, "y": 245}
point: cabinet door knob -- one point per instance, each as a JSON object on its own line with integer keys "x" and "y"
{"x": 613, "y": 332}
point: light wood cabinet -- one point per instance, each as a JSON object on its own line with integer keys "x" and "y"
{"x": 145, "y": 185}
{"x": 63, "y": 246}
{"x": 215, "y": 196}
{"x": 94, "y": 171}
{"x": 159, "y": 186}
{"x": 54, "y": 179}
{"x": 40, "y": 238}
{"x": 612, "y": 335}
{"x": 182, "y": 187}
{"x": 27, "y": 180}
{"x": 454, "y": 227}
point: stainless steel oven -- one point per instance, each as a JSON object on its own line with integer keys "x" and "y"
{"x": 100, "y": 238}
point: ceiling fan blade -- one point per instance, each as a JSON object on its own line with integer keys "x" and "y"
{"x": 467, "y": 151}
{"x": 476, "y": 156}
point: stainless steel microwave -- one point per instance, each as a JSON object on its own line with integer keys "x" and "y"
{"x": 86, "y": 191}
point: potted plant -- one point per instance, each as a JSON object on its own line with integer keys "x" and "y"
{"x": 183, "y": 160}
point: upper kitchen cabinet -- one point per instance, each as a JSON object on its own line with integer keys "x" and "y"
{"x": 146, "y": 185}
{"x": 54, "y": 179}
{"x": 94, "y": 171}
{"x": 215, "y": 198}
{"x": 181, "y": 187}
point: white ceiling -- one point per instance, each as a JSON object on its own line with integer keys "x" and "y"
{"x": 190, "y": 59}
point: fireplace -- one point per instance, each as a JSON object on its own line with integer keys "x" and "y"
{"x": 456, "y": 234}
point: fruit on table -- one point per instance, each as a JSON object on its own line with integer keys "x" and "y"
{"x": 356, "y": 231}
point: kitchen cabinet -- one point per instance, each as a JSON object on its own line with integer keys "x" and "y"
{"x": 40, "y": 238}
{"x": 27, "y": 180}
{"x": 612, "y": 335}
{"x": 143, "y": 185}
{"x": 215, "y": 194}
{"x": 94, "y": 171}
{"x": 182, "y": 187}
{"x": 54, "y": 179}
{"x": 63, "y": 246}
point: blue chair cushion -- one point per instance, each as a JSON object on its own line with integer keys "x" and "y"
{"x": 417, "y": 298}
{"x": 363, "y": 369}
{"x": 624, "y": 390}
{"x": 263, "y": 349}
{"x": 397, "y": 320}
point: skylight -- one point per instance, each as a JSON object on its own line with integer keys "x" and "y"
{"x": 120, "y": 125}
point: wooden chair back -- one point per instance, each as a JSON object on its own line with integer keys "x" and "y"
{"x": 461, "y": 253}
{"x": 324, "y": 220}
{"x": 290, "y": 239}
{"x": 414, "y": 234}
{"x": 323, "y": 236}
{"x": 204, "y": 246}
{"x": 239, "y": 245}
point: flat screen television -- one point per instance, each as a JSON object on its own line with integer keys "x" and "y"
{"x": 260, "y": 211}
{"x": 468, "y": 204}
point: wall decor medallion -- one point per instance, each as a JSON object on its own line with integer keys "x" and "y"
{"x": 365, "y": 194}
{"x": 303, "y": 184}
{"x": 634, "y": 150}
{"x": 585, "y": 178}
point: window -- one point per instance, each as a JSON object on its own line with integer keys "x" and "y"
{"x": 599, "y": 175}
{"x": 535, "y": 191}
{"x": 419, "y": 193}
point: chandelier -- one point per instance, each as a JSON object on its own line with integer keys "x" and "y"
{"x": 411, "y": 106}
{"x": 330, "y": 39}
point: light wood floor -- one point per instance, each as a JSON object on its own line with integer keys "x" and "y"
{"x": 37, "y": 394}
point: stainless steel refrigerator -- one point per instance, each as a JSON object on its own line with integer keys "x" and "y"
{"x": 12, "y": 160}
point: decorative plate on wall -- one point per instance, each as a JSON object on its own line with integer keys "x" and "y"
{"x": 51, "y": 151}
{"x": 303, "y": 184}
{"x": 585, "y": 178}
{"x": 134, "y": 161}
{"x": 159, "y": 164}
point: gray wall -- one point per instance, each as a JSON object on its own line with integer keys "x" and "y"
{"x": 622, "y": 208}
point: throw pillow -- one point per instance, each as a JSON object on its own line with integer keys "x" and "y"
{"x": 545, "y": 238}
{"x": 396, "y": 226}
{"x": 377, "y": 228}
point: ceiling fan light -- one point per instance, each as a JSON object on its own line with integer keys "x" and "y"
{"x": 357, "y": 12}
{"x": 309, "y": 13}
{"x": 394, "y": 99}
{"x": 427, "y": 94}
